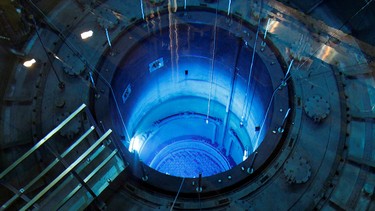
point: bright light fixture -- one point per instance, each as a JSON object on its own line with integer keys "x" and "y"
{"x": 135, "y": 144}
{"x": 29, "y": 63}
{"x": 87, "y": 34}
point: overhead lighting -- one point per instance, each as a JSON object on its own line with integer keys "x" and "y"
{"x": 87, "y": 34}
{"x": 29, "y": 63}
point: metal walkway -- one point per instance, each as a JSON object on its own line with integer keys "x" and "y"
{"x": 79, "y": 176}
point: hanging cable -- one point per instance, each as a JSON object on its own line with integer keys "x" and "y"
{"x": 171, "y": 41}
{"x": 177, "y": 57}
{"x": 212, "y": 66}
{"x": 61, "y": 84}
{"x": 178, "y": 192}
{"x": 251, "y": 65}
{"x": 265, "y": 116}
{"x": 282, "y": 84}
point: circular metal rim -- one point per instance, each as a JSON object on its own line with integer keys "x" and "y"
{"x": 238, "y": 175}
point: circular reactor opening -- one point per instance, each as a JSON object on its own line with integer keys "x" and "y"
{"x": 187, "y": 102}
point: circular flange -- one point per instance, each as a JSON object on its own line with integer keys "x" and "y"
{"x": 297, "y": 170}
{"x": 79, "y": 67}
{"x": 212, "y": 184}
{"x": 71, "y": 129}
{"x": 317, "y": 108}
{"x": 60, "y": 102}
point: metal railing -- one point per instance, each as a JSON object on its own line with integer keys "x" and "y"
{"x": 99, "y": 149}
{"x": 41, "y": 142}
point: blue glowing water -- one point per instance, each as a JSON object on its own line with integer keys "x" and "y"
{"x": 178, "y": 144}
{"x": 189, "y": 158}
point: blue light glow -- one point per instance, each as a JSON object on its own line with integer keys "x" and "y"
{"x": 173, "y": 130}
{"x": 188, "y": 158}
{"x": 136, "y": 144}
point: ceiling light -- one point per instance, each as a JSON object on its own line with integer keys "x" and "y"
{"x": 87, "y": 34}
{"x": 29, "y": 63}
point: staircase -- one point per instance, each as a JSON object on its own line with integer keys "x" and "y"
{"x": 74, "y": 178}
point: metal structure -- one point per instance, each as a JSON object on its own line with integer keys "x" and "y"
{"x": 84, "y": 176}
{"x": 281, "y": 92}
